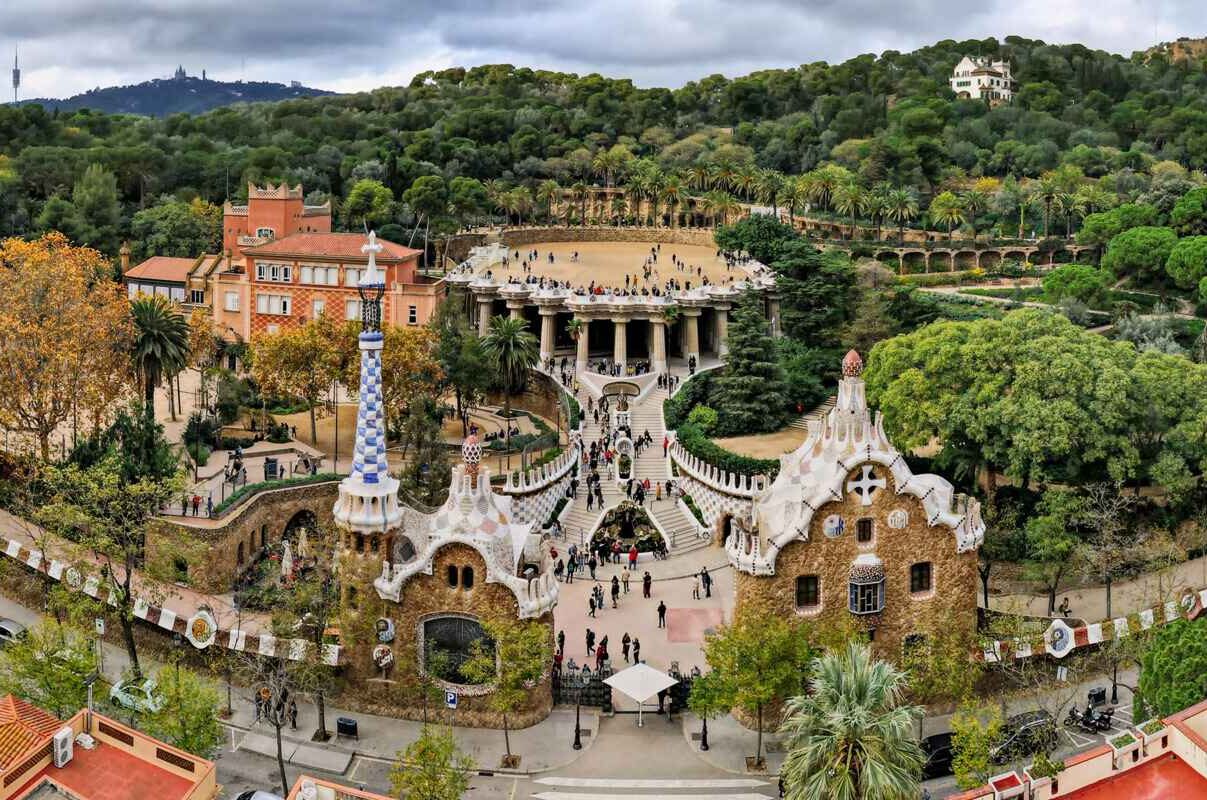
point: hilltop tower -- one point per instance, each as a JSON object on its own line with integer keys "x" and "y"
{"x": 16, "y": 76}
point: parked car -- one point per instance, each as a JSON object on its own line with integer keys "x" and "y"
{"x": 1023, "y": 735}
{"x": 256, "y": 794}
{"x": 10, "y": 629}
{"x": 937, "y": 750}
{"x": 141, "y": 698}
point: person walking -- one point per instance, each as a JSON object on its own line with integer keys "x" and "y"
{"x": 615, "y": 590}
{"x": 591, "y": 565}
{"x": 666, "y": 442}
{"x": 636, "y": 650}
{"x": 571, "y": 565}
{"x": 695, "y": 587}
{"x": 647, "y": 583}
{"x": 196, "y": 503}
{"x": 624, "y": 579}
{"x": 561, "y": 641}
{"x": 625, "y": 641}
{"x": 661, "y": 614}
{"x": 590, "y": 642}
{"x": 706, "y": 579}
{"x": 591, "y": 604}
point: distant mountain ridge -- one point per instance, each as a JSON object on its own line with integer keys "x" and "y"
{"x": 164, "y": 96}
{"x": 1185, "y": 49}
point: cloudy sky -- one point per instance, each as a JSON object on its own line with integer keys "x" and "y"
{"x": 68, "y": 46}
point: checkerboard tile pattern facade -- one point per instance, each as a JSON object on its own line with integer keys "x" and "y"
{"x": 369, "y": 461}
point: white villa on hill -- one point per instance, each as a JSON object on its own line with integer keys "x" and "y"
{"x": 982, "y": 78}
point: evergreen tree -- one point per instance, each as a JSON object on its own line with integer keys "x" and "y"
{"x": 95, "y": 199}
{"x": 750, "y": 396}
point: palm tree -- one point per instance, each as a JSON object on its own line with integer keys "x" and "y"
{"x": 522, "y": 197}
{"x": 699, "y": 178}
{"x": 1094, "y": 198}
{"x": 603, "y": 164}
{"x": 794, "y": 196}
{"x": 770, "y": 183}
{"x": 512, "y": 351}
{"x": 1045, "y": 192}
{"x": 878, "y": 204}
{"x": 902, "y": 208}
{"x": 724, "y": 205}
{"x": 619, "y": 207}
{"x": 947, "y": 209}
{"x": 579, "y": 189}
{"x": 851, "y": 737}
{"x": 672, "y": 193}
{"x": 744, "y": 181}
{"x": 548, "y": 192}
{"x": 161, "y": 343}
{"x": 975, "y": 201}
{"x": 850, "y": 198}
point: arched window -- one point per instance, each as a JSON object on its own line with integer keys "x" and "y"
{"x": 866, "y": 595}
{"x": 452, "y": 575}
{"x": 453, "y": 638}
{"x": 467, "y": 577}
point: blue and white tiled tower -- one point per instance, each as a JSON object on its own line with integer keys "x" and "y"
{"x": 368, "y": 497}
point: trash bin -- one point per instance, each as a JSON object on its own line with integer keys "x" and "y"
{"x": 346, "y": 726}
{"x": 270, "y": 469}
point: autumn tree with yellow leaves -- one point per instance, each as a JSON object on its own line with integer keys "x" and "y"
{"x": 66, "y": 331}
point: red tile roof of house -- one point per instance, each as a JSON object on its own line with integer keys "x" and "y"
{"x": 22, "y": 726}
{"x": 330, "y": 245}
{"x": 163, "y": 268}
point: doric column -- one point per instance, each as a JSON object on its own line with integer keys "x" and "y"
{"x": 584, "y": 345}
{"x": 773, "y": 311}
{"x": 691, "y": 326}
{"x": 657, "y": 345}
{"x": 515, "y": 309}
{"x": 620, "y": 343}
{"x": 722, "y": 330}
{"x": 484, "y": 308}
{"x": 548, "y": 318}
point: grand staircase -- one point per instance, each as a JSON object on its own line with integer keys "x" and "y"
{"x": 681, "y": 528}
{"x": 819, "y": 413}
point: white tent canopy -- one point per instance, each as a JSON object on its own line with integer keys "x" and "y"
{"x": 640, "y": 682}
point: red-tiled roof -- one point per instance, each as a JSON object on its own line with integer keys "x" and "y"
{"x": 330, "y": 245}
{"x": 1163, "y": 778}
{"x": 163, "y": 268}
{"x": 22, "y": 727}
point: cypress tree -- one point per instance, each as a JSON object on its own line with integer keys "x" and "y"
{"x": 750, "y": 395}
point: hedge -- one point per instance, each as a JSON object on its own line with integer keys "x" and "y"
{"x": 263, "y": 486}
{"x": 695, "y": 509}
{"x": 699, "y": 445}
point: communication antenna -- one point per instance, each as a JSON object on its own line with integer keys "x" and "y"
{"x": 16, "y": 76}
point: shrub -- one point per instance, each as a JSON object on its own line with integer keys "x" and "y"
{"x": 263, "y": 486}
{"x": 699, "y": 445}
{"x": 695, "y": 509}
{"x": 200, "y": 429}
{"x": 231, "y": 442}
{"x": 704, "y": 418}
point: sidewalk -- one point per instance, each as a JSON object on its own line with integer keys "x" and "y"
{"x": 729, "y": 744}
{"x": 544, "y": 746}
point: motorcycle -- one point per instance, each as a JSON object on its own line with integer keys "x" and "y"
{"x": 1089, "y": 720}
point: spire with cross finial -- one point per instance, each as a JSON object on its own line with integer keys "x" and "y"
{"x": 371, "y": 288}
{"x": 371, "y": 248}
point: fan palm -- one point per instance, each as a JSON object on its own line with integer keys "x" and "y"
{"x": 699, "y": 178}
{"x": 547, "y": 193}
{"x": 902, "y": 208}
{"x": 851, "y": 737}
{"x": 770, "y": 184}
{"x": 850, "y": 198}
{"x": 947, "y": 209}
{"x": 672, "y": 193}
{"x": 975, "y": 201}
{"x": 512, "y": 351}
{"x": 161, "y": 343}
{"x": 579, "y": 189}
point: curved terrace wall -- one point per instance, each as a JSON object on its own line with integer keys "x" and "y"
{"x": 515, "y": 237}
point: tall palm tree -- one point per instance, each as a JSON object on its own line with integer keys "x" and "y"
{"x": 672, "y": 194}
{"x": 795, "y": 195}
{"x": 1046, "y": 190}
{"x": 947, "y": 209}
{"x": 851, "y": 199}
{"x": 724, "y": 205}
{"x": 512, "y": 351}
{"x": 655, "y": 181}
{"x": 851, "y": 737}
{"x": 878, "y": 204}
{"x": 699, "y": 178}
{"x": 547, "y": 193}
{"x": 603, "y": 165}
{"x": 579, "y": 189}
{"x": 619, "y": 207}
{"x": 902, "y": 208}
{"x": 522, "y": 198}
{"x": 770, "y": 184}
{"x": 744, "y": 181}
{"x": 161, "y": 343}
{"x": 975, "y": 201}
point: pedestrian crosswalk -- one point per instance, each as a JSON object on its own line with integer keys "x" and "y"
{"x": 678, "y": 789}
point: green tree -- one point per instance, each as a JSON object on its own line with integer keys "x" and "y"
{"x": 161, "y": 343}
{"x": 902, "y": 208}
{"x": 1141, "y": 254}
{"x": 1187, "y": 263}
{"x": 369, "y": 203}
{"x": 817, "y": 292}
{"x": 428, "y": 197}
{"x": 1173, "y": 671}
{"x": 759, "y": 235}
{"x": 512, "y": 351}
{"x": 516, "y": 656}
{"x": 189, "y": 717}
{"x": 1052, "y": 541}
{"x": 296, "y": 362}
{"x": 48, "y": 666}
{"x": 749, "y": 396}
{"x": 431, "y": 768}
{"x": 459, "y": 351}
{"x": 175, "y": 228}
{"x": 947, "y": 209}
{"x": 95, "y": 200}
{"x": 1079, "y": 281}
{"x": 60, "y": 214}
{"x": 974, "y": 731}
{"x": 756, "y": 662}
{"x": 1189, "y": 215}
{"x": 871, "y": 321}
{"x": 851, "y": 736}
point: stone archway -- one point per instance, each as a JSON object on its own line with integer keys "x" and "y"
{"x": 302, "y": 519}
{"x": 725, "y": 528}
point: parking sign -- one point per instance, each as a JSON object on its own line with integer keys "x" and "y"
{"x": 450, "y": 700}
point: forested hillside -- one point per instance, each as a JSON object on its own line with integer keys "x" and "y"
{"x": 163, "y": 96}
{"x": 887, "y": 121}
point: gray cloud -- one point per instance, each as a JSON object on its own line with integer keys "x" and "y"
{"x": 69, "y": 46}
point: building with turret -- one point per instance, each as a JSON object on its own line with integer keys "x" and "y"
{"x": 984, "y": 79}
{"x": 847, "y": 534}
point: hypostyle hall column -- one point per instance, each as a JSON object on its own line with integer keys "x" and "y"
{"x": 691, "y": 325}
{"x": 515, "y": 309}
{"x": 484, "y": 308}
{"x": 620, "y": 343}
{"x": 722, "y": 330}
{"x": 584, "y": 346}
{"x": 773, "y": 312}
{"x": 657, "y": 345}
{"x": 548, "y": 319}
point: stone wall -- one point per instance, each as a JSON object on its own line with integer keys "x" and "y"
{"x": 458, "y": 246}
{"x": 212, "y": 553}
{"x": 716, "y": 506}
{"x": 518, "y": 237}
{"x": 422, "y": 597}
{"x": 950, "y": 607}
